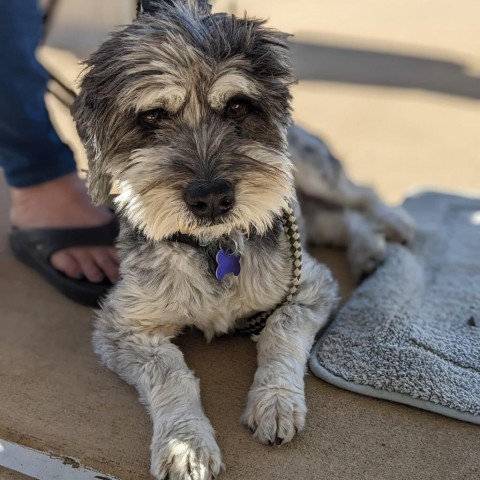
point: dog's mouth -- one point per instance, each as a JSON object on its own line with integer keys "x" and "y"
{"x": 230, "y": 220}
{"x": 215, "y": 222}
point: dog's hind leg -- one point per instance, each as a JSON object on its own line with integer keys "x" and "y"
{"x": 326, "y": 225}
{"x": 337, "y": 211}
{"x": 183, "y": 444}
{"x": 276, "y": 401}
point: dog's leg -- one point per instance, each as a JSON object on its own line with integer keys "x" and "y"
{"x": 319, "y": 175}
{"x": 276, "y": 401}
{"x": 183, "y": 444}
{"x": 363, "y": 239}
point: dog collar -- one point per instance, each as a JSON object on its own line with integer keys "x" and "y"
{"x": 255, "y": 324}
{"x": 228, "y": 262}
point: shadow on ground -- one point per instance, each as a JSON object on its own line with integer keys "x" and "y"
{"x": 333, "y": 63}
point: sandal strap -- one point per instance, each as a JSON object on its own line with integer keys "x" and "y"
{"x": 47, "y": 241}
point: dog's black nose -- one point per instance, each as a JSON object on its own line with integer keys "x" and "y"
{"x": 210, "y": 199}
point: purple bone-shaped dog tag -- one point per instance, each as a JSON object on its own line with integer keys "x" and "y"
{"x": 227, "y": 263}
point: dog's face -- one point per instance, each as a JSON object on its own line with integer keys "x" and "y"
{"x": 187, "y": 112}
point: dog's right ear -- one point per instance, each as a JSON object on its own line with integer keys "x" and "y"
{"x": 86, "y": 112}
{"x": 201, "y": 7}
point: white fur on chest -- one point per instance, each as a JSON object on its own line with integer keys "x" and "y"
{"x": 186, "y": 293}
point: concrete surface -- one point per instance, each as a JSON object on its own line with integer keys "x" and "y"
{"x": 7, "y": 474}
{"x": 394, "y": 89}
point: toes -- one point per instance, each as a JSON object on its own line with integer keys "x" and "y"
{"x": 107, "y": 261}
{"x": 183, "y": 460}
{"x": 113, "y": 254}
{"x": 403, "y": 230}
{"x": 398, "y": 225}
{"x": 90, "y": 269}
{"x": 365, "y": 254}
{"x": 67, "y": 264}
{"x": 275, "y": 415}
{"x": 278, "y": 441}
{"x": 94, "y": 263}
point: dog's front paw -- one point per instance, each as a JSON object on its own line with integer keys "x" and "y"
{"x": 193, "y": 457}
{"x": 275, "y": 413}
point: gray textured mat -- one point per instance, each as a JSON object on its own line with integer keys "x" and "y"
{"x": 411, "y": 332}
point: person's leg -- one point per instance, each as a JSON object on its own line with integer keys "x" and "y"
{"x": 39, "y": 168}
{"x": 30, "y": 150}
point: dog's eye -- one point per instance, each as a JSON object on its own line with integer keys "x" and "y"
{"x": 152, "y": 118}
{"x": 237, "y": 108}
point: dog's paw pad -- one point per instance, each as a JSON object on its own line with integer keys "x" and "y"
{"x": 275, "y": 414}
{"x": 193, "y": 459}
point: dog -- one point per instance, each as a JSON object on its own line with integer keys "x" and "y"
{"x": 188, "y": 112}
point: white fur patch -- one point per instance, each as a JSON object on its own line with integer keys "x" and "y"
{"x": 169, "y": 97}
{"x": 227, "y": 86}
{"x": 160, "y": 211}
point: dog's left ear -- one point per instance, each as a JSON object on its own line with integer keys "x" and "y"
{"x": 86, "y": 111}
{"x": 196, "y": 6}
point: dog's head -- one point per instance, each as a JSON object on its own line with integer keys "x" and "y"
{"x": 187, "y": 111}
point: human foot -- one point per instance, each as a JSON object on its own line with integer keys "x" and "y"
{"x": 64, "y": 203}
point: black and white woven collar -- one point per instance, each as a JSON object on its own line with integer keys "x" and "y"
{"x": 255, "y": 324}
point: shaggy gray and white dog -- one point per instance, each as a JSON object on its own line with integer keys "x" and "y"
{"x": 188, "y": 112}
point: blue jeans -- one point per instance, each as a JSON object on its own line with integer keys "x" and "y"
{"x": 30, "y": 150}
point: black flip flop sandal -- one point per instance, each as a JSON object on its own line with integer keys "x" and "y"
{"x": 35, "y": 246}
